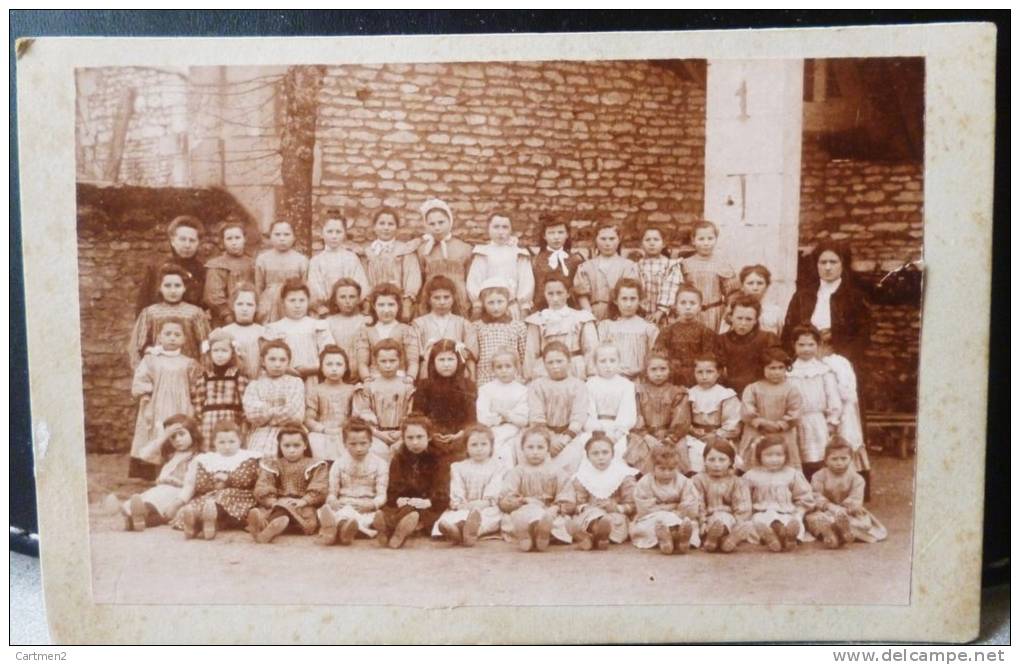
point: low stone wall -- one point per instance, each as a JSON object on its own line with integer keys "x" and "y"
{"x": 120, "y": 232}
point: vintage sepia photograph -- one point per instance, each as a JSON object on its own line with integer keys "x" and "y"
{"x": 505, "y": 333}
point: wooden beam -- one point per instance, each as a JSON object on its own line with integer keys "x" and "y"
{"x": 120, "y": 127}
{"x": 696, "y": 72}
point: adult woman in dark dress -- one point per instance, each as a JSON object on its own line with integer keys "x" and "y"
{"x": 833, "y": 304}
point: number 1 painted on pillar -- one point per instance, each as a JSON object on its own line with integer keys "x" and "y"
{"x": 742, "y": 93}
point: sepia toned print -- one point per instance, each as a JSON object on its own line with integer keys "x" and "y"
{"x": 773, "y": 208}
{"x": 410, "y": 594}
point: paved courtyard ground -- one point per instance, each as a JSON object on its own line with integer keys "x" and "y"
{"x": 160, "y": 566}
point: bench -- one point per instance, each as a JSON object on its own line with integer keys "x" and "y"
{"x": 899, "y": 428}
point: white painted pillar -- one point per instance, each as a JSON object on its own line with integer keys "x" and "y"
{"x": 753, "y": 125}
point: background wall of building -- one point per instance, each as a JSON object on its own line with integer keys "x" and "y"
{"x": 878, "y": 208}
{"x": 602, "y": 140}
{"x": 610, "y": 140}
{"x": 121, "y": 231}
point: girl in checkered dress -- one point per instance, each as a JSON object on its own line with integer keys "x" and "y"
{"x": 661, "y": 276}
{"x": 219, "y": 389}
{"x": 274, "y": 399}
{"x": 497, "y": 330}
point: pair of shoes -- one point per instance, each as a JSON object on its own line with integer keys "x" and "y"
{"x": 842, "y": 527}
{"x": 451, "y": 532}
{"x": 583, "y": 541}
{"x": 348, "y": 532}
{"x": 728, "y": 543}
{"x": 665, "y": 538}
{"x": 136, "y": 507}
{"x": 600, "y": 534}
{"x": 715, "y": 532}
{"x": 543, "y": 532}
{"x": 771, "y": 537}
{"x": 525, "y": 537}
{"x": 472, "y": 525}
{"x": 829, "y": 538}
{"x": 189, "y": 520}
{"x": 327, "y": 526}
{"x": 682, "y": 538}
{"x": 407, "y": 524}
{"x": 209, "y": 514}
{"x": 466, "y": 533}
{"x": 276, "y": 526}
{"x": 256, "y": 523}
{"x": 382, "y": 531}
{"x": 789, "y": 537}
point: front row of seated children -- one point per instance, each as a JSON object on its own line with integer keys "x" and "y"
{"x": 532, "y": 504}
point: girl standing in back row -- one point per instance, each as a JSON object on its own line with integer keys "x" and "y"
{"x": 597, "y": 277}
{"x": 441, "y": 254}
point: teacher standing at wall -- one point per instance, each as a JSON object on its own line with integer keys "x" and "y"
{"x": 834, "y": 305}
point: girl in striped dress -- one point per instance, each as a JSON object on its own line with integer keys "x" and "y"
{"x": 358, "y": 482}
{"x": 219, "y": 389}
{"x": 328, "y": 404}
{"x": 574, "y": 328}
{"x": 385, "y": 401}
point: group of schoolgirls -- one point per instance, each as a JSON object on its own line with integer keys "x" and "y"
{"x": 428, "y": 387}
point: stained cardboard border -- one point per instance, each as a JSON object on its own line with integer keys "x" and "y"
{"x": 959, "y": 142}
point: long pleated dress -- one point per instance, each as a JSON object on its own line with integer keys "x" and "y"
{"x": 162, "y": 385}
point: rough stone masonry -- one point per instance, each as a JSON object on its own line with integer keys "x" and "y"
{"x": 598, "y": 140}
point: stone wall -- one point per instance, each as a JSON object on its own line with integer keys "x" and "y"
{"x": 156, "y": 142}
{"x": 878, "y": 208}
{"x": 120, "y": 232}
{"x": 599, "y": 139}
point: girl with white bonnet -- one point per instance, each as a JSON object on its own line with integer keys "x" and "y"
{"x": 442, "y": 254}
